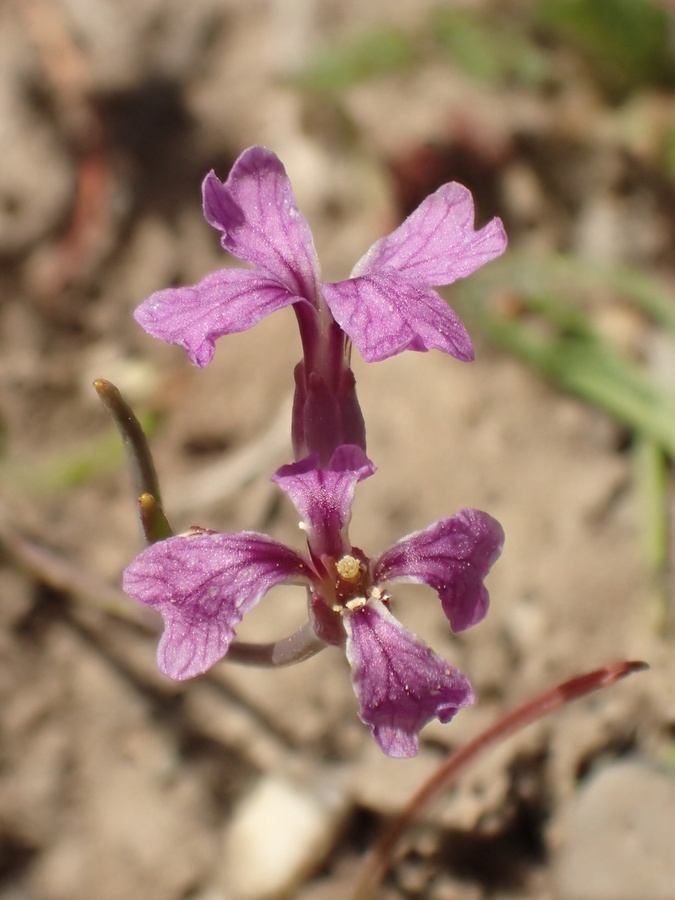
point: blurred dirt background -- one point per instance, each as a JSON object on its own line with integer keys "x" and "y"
{"x": 246, "y": 784}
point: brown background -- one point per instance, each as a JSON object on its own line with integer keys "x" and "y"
{"x": 115, "y": 783}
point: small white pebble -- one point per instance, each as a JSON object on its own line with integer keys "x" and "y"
{"x": 279, "y": 834}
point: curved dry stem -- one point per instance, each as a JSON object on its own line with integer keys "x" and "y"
{"x": 380, "y": 856}
{"x": 297, "y": 647}
{"x": 61, "y": 574}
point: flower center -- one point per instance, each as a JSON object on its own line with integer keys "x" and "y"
{"x": 353, "y": 587}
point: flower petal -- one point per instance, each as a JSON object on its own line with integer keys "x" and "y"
{"x": 260, "y": 222}
{"x": 202, "y": 584}
{"x": 437, "y": 243}
{"x": 224, "y": 302}
{"x": 400, "y": 683}
{"x": 385, "y": 313}
{"x": 453, "y": 556}
{"x": 324, "y": 497}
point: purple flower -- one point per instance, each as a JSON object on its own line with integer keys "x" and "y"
{"x": 203, "y": 583}
{"x": 385, "y": 307}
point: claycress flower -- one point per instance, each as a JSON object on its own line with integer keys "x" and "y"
{"x": 385, "y": 307}
{"x": 204, "y": 582}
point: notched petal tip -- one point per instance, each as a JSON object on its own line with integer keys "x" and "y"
{"x": 453, "y": 556}
{"x": 202, "y": 584}
{"x": 437, "y": 243}
{"x": 400, "y": 683}
{"x": 221, "y": 211}
{"x": 226, "y": 301}
{"x": 256, "y": 212}
{"x": 495, "y": 236}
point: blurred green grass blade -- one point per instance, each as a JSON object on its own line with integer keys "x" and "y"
{"x": 651, "y": 485}
{"x": 489, "y": 49}
{"x": 550, "y": 275}
{"x": 647, "y": 293}
{"x": 468, "y": 43}
{"x": 566, "y": 317}
{"x": 556, "y": 337}
{"x": 589, "y": 369}
{"x": 70, "y": 467}
{"x": 375, "y": 53}
{"x": 651, "y": 475}
{"x": 627, "y": 42}
{"x": 567, "y": 351}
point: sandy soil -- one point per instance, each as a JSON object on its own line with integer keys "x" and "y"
{"x": 115, "y": 783}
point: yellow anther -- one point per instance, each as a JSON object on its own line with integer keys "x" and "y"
{"x": 349, "y": 568}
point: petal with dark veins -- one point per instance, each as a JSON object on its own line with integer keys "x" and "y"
{"x": 202, "y": 585}
{"x": 453, "y": 556}
{"x": 400, "y": 683}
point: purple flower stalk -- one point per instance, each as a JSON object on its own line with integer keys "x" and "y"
{"x": 385, "y": 307}
{"x": 204, "y": 582}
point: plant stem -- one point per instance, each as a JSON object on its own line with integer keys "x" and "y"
{"x": 380, "y": 856}
{"x": 141, "y": 465}
{"x": 153, "y": 521}
{"x": 301, "y": 645}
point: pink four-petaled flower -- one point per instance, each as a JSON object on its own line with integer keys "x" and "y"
{"x": 385, "y": 307}
{"x": 203, "y": 583}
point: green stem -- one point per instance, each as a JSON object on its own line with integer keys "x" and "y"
{"x": 141, "y": 465}
{"x": 153, "y": 521}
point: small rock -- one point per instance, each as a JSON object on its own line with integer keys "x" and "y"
{"x": 618, "y": 841}
{"x": 280, "y": 833}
